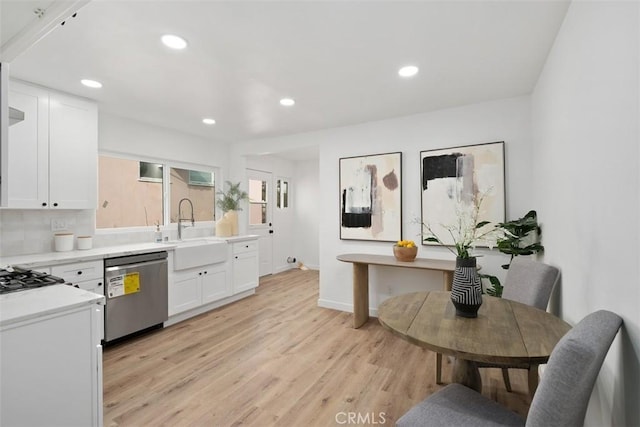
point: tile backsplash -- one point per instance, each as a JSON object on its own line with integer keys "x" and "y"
{"x": 24, "y": 232}
{"x": 30, "y": 231}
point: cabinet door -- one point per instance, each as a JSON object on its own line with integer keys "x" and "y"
{"x": 25, "y": 155}
{"x": 184, "y": 292}
{"x": 73, "y": 152}
{"x": 51, "y": 361}
{"x": 245, "y": 271}
{"x": 95, "y": 286}
{"x": 214, "y": 284}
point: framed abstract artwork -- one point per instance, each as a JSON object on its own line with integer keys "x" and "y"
{"x": 371, "y": 197}
{"x": 455, "y": 179}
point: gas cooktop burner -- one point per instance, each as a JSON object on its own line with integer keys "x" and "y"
{"x": 19, "y": 279}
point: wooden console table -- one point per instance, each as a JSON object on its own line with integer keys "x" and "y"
{"x": 361, "y": 264}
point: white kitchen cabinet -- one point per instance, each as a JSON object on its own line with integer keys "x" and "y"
{"x": 73, "y": 152}
{"x": 51, "y": 369}
{"x": 78, "y": 272}
{"x": 193, "y": 288}
{"x": 88, "y": 275}
{"x": 184, "y": 292}
{"x": 50, "y": 158}
{"x": 245, "y": 266}
{"x": 215, "y": 285}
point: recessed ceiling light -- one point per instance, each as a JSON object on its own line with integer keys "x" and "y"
{"x": 174, "y": 42}
{"x": 91, "y": 83}
{"x": 208, "y": 121}
{"x": 287, "y": 102}
{"x": 408, "y": 71}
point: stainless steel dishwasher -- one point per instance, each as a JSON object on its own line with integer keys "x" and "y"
{"x": 136, "y": 291}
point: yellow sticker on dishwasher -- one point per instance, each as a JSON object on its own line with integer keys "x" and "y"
{"x": 131, "y": 283}
{"x": 123, "y": 284}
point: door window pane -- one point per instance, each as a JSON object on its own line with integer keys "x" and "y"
{"x": 197, "y": 186}
{"x": 129, "y": 193}
{"x": 257, "y": 202}
{"x": 282, "y": 194}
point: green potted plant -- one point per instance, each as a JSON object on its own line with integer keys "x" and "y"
{"x": 229, "y": 202}
{"x": 522, "y": 237}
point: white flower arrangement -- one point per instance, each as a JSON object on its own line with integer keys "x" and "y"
{"x": 468, "y": 231}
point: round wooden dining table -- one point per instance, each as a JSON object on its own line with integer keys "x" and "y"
{"x": 505, "y": 332}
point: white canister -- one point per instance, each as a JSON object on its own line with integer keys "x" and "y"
{"x": 85, "y": 242}
{"x": 63, "y": 242}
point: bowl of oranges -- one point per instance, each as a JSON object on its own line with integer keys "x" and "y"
{"x": 405, "y": 250}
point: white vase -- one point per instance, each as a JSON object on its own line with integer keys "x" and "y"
{"x": 232, "y": 216}
{"x": 223, "y": 227}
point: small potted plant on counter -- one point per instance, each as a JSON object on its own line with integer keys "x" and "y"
{"x": 229, "y": 202}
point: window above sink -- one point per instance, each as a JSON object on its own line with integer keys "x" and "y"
{"x": 138, "y": 193}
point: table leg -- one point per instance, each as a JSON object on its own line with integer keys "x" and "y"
{"x": 360, "y": 294}
{"x": 448, "y": 280}
{"x": 466, "y": 373}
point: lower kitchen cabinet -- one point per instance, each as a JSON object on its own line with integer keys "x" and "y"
{"x": 88, "y": 275}
{"x": 245, "y": 266}
{"x": 195, "y": 287}
{"x": 197, "y": 290}
{"x": 51, "y": 370}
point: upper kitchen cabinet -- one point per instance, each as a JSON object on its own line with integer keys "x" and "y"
{"x": 50, "y": 158}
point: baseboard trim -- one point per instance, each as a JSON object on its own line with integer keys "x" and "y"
{"x": 177, "y": 318}
{"x": 283, "y": 268}
{"x": 336, "y": 305}
{"x": 293, "y": 267}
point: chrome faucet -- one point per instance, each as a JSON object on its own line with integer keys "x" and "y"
{"x": 180, "y": 219}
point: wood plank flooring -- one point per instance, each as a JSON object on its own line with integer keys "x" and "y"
{"x": 276, "y": 359}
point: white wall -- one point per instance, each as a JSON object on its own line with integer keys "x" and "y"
{"x": 586, "y": 185}
{"x": 504, "y": 120}
{"x": 121, "y": 135}
{"x": 307, "y": 208}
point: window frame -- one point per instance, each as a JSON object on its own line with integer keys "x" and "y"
{"x": 166, "y": 208}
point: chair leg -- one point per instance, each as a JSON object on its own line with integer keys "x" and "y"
{"x": 438, "y": 368}
{"x": 533, "y": 379}
{"x": 505, "y": 376}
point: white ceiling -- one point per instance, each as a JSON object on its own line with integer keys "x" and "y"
{"x": 19, "y": 15}
{"x": 338, "y": 60}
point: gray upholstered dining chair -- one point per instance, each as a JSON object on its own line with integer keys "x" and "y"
{"x": 528, "y": 282}
{"x": 560, "y": 400}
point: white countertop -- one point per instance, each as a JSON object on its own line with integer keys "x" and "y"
{"x": 25, "y": 305}
{"x": 52, "y": 258}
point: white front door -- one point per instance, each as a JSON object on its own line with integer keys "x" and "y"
{"x": 260, "y": 217}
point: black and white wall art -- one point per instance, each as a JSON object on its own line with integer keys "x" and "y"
{"x": 455, "y": 179}
{"x": 371, "y": 197}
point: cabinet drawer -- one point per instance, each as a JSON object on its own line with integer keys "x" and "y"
{"x": 242, "y": 247}
{"x": 79, "y": 271}
{"x": 94, "y": 285}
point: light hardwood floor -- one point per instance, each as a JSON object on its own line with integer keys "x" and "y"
{"x": 276, "y": 358}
